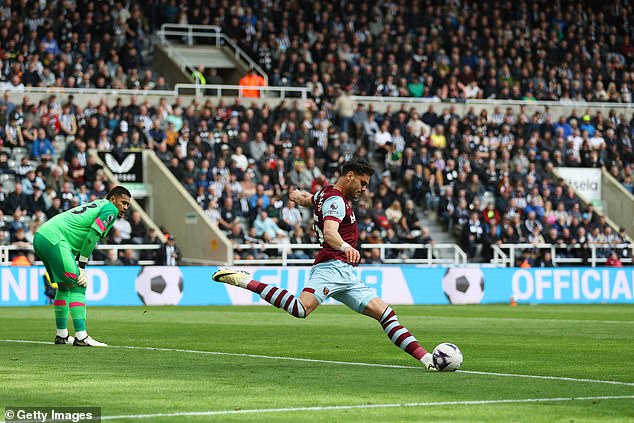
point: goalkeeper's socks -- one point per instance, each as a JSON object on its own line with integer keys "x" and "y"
{"x": 399, "y": 335}
{"x": 82, "y": 334}
{"x": 60, "y": 306}
{"x": 278, "y": 297}
{"x": 62, "y": 333}
{"x": 78, "y": 310}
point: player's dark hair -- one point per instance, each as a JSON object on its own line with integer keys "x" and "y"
{"x": 118, "y": 191}
{"x": 358, "y": 166}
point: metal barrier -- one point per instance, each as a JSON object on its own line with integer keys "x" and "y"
{"x": 504, "y": 259}
{"x": 302, "y": 92}
{"x": 231, "y": 90}
{"x": 5, "y": 250}
{"x": 191, "y": 32}
{"x": 460, "y": 257}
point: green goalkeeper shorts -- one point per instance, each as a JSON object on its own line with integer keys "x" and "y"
{"x": 58, "y": 260}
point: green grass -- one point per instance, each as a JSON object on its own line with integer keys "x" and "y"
{"x": 583, "y": 342}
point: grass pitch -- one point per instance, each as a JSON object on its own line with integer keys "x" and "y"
{"x": 235, "y": 364}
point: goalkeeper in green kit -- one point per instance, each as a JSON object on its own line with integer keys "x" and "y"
{"x": 64, "y": 244}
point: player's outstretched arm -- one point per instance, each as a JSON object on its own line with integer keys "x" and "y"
{"x": 302, "y": 198}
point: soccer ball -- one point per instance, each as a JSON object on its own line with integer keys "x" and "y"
{"x": 463, "y": 285}
{"x": 160, "y": 285}
{"x": 447, "y": 357}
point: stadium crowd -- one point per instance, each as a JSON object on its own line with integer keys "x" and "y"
{"x": 569, "y": 50}
{"x": 489, "y": 179}
{"x": 84, "y": 44}
{"x": 457, "y": 50}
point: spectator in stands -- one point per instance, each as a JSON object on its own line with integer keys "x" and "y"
{"x": 17, "y": 200}
{"x": 291, "y": 217}
{"x": 112, "y": 258}
{"x": 300, "y": 177}
{"x": 267, "y": 230}
{"x": 129, "y": 258}
{"x": 299, "y": 237}
{"x": 251, "y": 79}
{"x": 614, "y": 260}
{"x": 138, "y": 231}
{"x": 41, "y": 145}
{"x": 472, "y": 234}
{"x": 169, "y": 254}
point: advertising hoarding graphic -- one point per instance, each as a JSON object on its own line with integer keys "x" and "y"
{"x": 408, "y": 284}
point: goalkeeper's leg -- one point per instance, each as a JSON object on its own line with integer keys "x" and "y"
{"x": 77, "y": 307}
{"x": 60, "y": 305}
{"x": 53, "y": 259}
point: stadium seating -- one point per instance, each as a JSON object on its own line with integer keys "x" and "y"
{"x": 483, "y": 175}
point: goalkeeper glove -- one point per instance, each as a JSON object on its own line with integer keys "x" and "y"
{"x": 82, "y": 279}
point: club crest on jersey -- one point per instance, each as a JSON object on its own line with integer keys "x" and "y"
{"x": 326, "y": 291}
{"x": 109, "y": 219}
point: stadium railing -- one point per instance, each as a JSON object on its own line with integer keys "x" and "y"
{"x": 235, "y": 90}
{"x": 460, "y": 257}
{"x": 82, "y": 95}
{"x": 279, "y": 93}
{"x": 193, "y": 32}
{"x": 505, "y": 255}
{"x": 5, "y": 251}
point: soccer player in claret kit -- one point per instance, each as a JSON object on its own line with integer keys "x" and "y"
{"x": 64, "y": 244}
{"x": 332, "y": 274}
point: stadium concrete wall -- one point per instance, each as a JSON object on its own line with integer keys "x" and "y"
{"x": 156, "y": 285}
{"x": 199, "y": 239}
{"x": 618, "y": 203}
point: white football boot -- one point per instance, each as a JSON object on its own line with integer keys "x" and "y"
{"x": 88, "y": 342}
{"x": 232, "y": 277}
{"x": 428, "y": 362}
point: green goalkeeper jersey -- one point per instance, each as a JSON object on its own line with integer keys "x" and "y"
{"x": 73, "y": 225}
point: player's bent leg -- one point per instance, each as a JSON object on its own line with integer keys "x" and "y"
{"x": 60, "y": 306}
{"x": 273, "y": 295}
{"x": 398, "y": 334}
{"x": 309, "y": 301}
{"x": 77, "y": 306}
{"x": 53, "y": 258}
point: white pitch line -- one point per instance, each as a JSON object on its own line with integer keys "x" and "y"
{"x": 528, "y": 319}
{"x": 362, "y": 406}
{"x": 345, "y": 363}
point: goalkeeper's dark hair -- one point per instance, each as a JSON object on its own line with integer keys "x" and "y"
{"x": 358, "y": 166}
{"x": 117, "y": 192}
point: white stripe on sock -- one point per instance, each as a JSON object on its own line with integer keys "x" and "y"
{"x": 275, "y": 295}
{"x": 391, "y": 326}
{"x": 407, "y": 341}
{"x": 266, "y": 291}
{"x": 397, "y": 334}
{"x": 285, "y": 298}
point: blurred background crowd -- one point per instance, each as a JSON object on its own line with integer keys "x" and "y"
{"x": 488, "y": 177}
